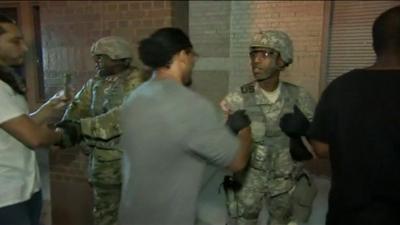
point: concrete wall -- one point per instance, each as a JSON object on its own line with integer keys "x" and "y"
{"x": 221, "y": 32}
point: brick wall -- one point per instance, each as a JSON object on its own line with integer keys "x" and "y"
{"x": 68, "y": 29}
{"x": 303, "y": 21}
{"x": 220, "y": 31}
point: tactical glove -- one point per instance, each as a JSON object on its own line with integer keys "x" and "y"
{"x": 237, "y": 121}
{"x": 294, "y": 124}
{"x": 230, "y": 183}
{"x": 72, "y": 132}
{"x": 298, "y": 150}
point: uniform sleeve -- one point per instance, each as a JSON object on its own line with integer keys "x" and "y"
{"x": 233, "y": 101}
{"x": 135, "y": 79}
{"x": 79, "y": 108}
{"x": 323, "y": 121}
{"x": 105, "y": 126}
{"x": 209, "y": 138}
{"x": 306, "y": 103}
{"x": 9, "y": 109}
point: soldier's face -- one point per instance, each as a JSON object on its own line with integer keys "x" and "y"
{"x": 263, "y": 62}
{"x": 104, "y": 64}
{"x": 12, "y": 45}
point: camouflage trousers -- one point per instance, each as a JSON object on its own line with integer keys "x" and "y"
{"x": 106, "y": 204}
{"x": 283, "y": 208}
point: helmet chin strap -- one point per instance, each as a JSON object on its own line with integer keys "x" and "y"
{"x": 262, "y": 79}
{"x": 268, "y": 74}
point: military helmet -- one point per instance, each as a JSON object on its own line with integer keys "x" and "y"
{"x": 277, "y": 40}
{"x": 113, "y": 46}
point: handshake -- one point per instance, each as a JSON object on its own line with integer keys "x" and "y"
{"x": 72, "y": 133}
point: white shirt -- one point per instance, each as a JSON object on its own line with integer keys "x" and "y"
{"x": 19, "y": 172}
{"x": 273, "y": 95}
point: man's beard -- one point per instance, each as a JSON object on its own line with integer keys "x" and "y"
{"x": 188, "y": 82}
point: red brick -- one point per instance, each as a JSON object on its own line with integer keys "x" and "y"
{"x": 158, "y": 4}
{"x": 111, "y": 8}
{"x": 146, "y": 5}
{"x": 147, "y": 23}
{"x": 76, "y": 25}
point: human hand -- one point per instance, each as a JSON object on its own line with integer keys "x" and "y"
{"x": 237, "y": 121}
{"x": 294, "y": 124}
{"x": 59, "y": 100}
{"x": 72, "y": 133}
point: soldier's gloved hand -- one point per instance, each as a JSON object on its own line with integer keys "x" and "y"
{"x": 72, "y": 132}
{"x": 294, "y": 124}
{"x": 298, "y": 150}
{"x": 237, "y": 121}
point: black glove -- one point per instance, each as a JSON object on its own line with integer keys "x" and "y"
{"x": 72, "y": 132}
{"x": 298, "y": 150}
{"x": 294, "y": 124}
{"x": 230, "y": 183}
{"x": 237, "y": 121}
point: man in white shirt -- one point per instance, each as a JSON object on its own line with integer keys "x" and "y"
{"x": 20, "y": 196}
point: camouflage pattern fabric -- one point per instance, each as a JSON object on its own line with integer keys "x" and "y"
{"x": 97, "y": 97}
{"x": 271, "y": 171}
{"x": 113, "y": 46}
{"x": 107, "y": 205}
{"x": 277, "y": 40}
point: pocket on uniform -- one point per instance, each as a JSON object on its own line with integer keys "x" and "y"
{"x": 303, "y": 197}
{"x": 305, "y": 191}
{"x": 106, "y": 166}
{"x": 283, "y": 164}
{"x": 258, "y": 158}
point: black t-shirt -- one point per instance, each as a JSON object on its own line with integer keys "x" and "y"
{"x": 359, "y": 117}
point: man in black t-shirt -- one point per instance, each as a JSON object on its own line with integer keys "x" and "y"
{"x": 357, "y": 126}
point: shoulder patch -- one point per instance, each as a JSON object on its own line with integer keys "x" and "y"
{"x": 287, "y": 84}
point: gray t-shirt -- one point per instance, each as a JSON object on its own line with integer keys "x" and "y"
{"x": 170, "y": 134}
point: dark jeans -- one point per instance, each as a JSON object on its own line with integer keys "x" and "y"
{"x": 23, "y": 213}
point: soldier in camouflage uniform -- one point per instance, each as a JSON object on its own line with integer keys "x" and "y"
{"x": 272, "y": 175}
{"x": 115, "y": 79}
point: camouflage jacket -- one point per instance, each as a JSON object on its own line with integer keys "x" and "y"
{"x": 270, "y": 145}
{"x": 97, "y": 97}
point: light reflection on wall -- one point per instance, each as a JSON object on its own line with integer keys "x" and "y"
{"x": 303, "y": 22}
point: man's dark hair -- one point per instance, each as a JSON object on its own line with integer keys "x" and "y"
{"x": 386, "y": 31}
{"x": 158, "y": 49}
{"x": 7, "y": 74}
{"x": 5, "y": 19}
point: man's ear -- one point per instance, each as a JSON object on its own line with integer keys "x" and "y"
{"x": 182, "y": 56}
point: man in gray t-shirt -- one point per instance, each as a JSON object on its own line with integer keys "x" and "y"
{"x": 170, "y": 134}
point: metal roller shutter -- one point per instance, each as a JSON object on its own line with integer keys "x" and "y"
{"x": 350, "y": 41}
